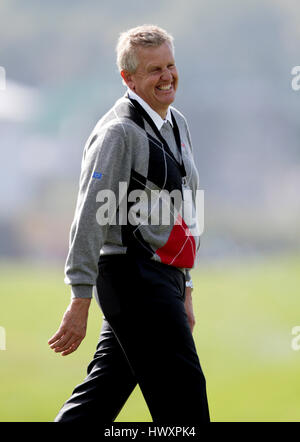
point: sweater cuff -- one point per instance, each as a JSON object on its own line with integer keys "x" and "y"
{"x": 81, "y": 291}
{"x": 187, "y": 275}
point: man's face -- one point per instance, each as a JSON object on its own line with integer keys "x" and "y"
{"x": 156, "y": 77}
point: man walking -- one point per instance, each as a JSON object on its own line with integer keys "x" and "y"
{"x": 138, "y": 155}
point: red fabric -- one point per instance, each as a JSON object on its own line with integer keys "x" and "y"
{"x": 180, "y": 249}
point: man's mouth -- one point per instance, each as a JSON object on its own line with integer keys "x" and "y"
{"x": 165, "y": 87}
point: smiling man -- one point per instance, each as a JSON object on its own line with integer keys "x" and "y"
{"x": 155, "y": 78}
{"x": 140, "y": 271}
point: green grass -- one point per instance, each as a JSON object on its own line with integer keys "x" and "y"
{"x": 245, "y": 313}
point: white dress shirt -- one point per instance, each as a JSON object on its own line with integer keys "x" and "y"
{"x": 153, "y": 114}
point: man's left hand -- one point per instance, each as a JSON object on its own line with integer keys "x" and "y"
{"x": 189, "y": 308}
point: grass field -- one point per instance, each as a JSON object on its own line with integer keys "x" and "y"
{"x": 245, "y": 314}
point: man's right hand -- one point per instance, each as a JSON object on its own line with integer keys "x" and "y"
{"x": 72, "y": 329}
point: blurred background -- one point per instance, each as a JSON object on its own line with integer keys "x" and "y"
{"x": 235, "y": 60}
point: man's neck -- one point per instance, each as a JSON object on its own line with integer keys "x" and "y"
{"x": 157, "y": 117}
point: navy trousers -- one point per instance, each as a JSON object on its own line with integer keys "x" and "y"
{"x": 146, "y": 340}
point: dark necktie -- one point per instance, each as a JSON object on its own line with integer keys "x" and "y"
{"x": 168, "y": 134}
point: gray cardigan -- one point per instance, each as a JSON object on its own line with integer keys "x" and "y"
{"x": 127, "y": 176}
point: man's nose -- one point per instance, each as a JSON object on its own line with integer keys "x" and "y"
{"x": 166, "y": 75}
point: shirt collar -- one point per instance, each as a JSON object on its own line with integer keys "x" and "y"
{"x": 158, "y": 121}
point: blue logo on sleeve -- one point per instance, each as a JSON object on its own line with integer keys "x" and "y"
{"x": 97, "y": 175}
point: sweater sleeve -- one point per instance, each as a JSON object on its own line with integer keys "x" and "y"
{"x": 187, "y": 275}
{"x": 187, "y": 271}
{"x": 106, "y": 162}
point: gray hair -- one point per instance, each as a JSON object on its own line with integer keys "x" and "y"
{"x": 141, "y": 36}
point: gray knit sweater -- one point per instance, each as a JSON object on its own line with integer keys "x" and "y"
{"x": 127, "y": 176}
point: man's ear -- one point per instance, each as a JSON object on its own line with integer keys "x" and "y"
{"x": 127, "y": 79}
